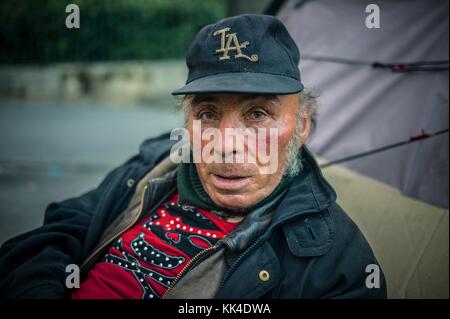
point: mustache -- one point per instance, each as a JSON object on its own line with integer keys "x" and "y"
{"x": 232, "y": 169}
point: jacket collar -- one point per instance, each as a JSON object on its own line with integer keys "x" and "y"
{"x": 309, "y": 192}
{"x": 153, "y": 150}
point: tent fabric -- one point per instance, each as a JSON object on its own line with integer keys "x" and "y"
{"x": 410, "y": 238}
{"x": 363, "y": 108}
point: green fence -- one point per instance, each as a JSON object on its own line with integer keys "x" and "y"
{"x": 35, "y": 32}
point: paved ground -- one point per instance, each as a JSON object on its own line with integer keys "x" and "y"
{"x": 49, "y": 153}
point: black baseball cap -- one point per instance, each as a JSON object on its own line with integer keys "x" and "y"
{"x": 250, "y": 53}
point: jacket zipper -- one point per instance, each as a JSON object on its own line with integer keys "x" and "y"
{"x": 189, "y": 264}
{"x": 107, "y": 242}
{"x": 239, "y": 259}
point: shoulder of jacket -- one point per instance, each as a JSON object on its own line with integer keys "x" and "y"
{"x": 154, "y": 149}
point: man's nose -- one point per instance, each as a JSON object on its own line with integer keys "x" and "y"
{"x": 230, "y": 128}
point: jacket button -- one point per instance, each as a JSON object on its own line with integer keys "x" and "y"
{"x": 130, "y": 182}
{"x": 264, "y": 275}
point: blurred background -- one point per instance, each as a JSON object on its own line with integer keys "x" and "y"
{"x": 75, "y": 103}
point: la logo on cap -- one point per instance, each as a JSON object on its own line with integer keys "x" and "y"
{"x": 232, "y": 44}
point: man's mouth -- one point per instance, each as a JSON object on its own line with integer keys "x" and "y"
{"x": 229, "y": 181}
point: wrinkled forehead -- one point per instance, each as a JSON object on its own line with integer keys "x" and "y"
{"x": 230, "y": 98}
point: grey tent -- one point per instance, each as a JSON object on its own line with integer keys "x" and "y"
{"x": 384, "y": 111}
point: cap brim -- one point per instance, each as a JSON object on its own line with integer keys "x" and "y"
{"x": 242, "y": 82}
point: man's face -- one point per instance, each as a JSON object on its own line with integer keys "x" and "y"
{"x": 239, "y": 185}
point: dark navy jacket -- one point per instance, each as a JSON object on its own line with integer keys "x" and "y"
{"x": 311, "y": 249}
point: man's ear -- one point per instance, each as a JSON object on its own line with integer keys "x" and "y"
{"x": 306, "y": 129}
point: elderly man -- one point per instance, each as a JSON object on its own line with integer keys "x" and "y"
{"x": 209, "y": 225}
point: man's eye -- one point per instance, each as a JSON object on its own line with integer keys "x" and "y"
{"x": 257, "y": 115}
{"x": 207, "y": 116}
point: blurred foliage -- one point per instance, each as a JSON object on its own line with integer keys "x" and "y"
{"x": 35, "y": 32}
